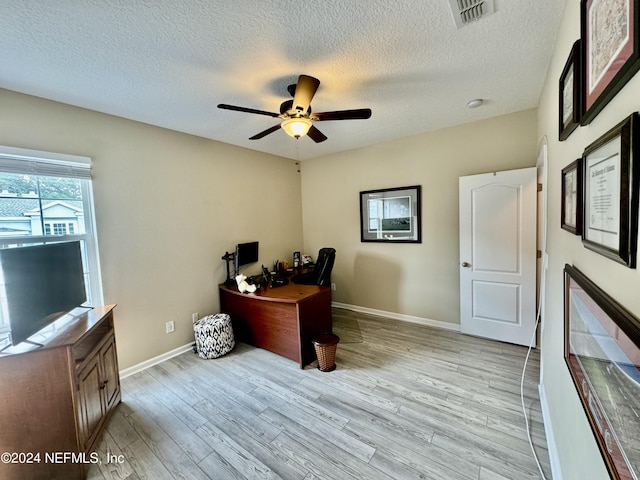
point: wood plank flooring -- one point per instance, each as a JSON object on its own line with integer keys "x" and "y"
{"x": 405, "y": 402}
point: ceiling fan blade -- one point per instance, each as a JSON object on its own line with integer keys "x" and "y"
{"x": 358, "y": 114}
{"x": 247, "y": 110}
{"x": 305, "y": 90}
{"x": 266, "y": 132}
{"x": 316, "y": 135}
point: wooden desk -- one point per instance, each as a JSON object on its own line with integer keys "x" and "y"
{"x": 282, "y": 320}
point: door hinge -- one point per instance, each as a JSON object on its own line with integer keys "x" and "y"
{"x": 538, "y": 254}
{"x": 539, "y": 187}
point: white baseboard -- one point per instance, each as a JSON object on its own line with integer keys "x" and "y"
{"x": 155, "y": 360}
{"x": 369, "y": 311}
{"x": 399, "y": 316}
{"x": 556, "y": 472}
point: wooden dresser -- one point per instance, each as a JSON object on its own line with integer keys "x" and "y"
{"x": 55, "y": 399}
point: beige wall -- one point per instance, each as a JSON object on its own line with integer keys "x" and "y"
{"x": 168, "y": 206}
{"x": 576, "y": 447}
{"x": 417, "y": 280}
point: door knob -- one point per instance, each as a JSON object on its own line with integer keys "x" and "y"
{"x": 466, "y": 264}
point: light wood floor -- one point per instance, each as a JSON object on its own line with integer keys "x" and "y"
{"x": 406, "y": 401}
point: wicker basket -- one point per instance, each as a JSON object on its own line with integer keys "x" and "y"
{"x": 325, "y": 346}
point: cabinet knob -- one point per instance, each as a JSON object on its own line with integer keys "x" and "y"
{"x": 466, "y": 264}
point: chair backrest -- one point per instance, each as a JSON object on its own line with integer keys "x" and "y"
{"x": 324, "y": 265}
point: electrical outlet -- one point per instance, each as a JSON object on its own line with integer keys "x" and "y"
{"x": 333, "y": 286}
{"x": 170, "y": 327}
{"x": 194, "y": 317}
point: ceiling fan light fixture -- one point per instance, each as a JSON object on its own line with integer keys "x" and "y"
{"x": 296, "y": 127}
{"x": 296, "y": 116}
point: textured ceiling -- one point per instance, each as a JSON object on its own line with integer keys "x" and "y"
{"x": 169, "y": 63}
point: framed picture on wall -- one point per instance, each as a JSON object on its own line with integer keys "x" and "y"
{"x": 610, "y": 50}
{"x": 391, "y": 215}
{"x": 571, "y": 214}
{"x": 611, "y": 174}
{"x": 602, "y": 352}
{"x": 570, "y": 95}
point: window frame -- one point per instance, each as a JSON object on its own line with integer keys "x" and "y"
{"x": 39, "y": 163}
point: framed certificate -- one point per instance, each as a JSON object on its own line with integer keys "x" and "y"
{"x": 610, "y": 221}
{"x": 571, "y": 214}
{"x": 570, "y": 95}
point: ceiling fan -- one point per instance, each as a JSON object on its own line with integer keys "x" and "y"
{"x": 296, "y": 115}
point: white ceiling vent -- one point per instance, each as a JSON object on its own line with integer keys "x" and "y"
{"x": 466, "y": 11}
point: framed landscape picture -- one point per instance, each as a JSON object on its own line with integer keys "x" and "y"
{"x": 610, "y": 50}
{"x": 391, "y": 215}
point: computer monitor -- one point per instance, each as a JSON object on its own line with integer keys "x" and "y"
{"x": 246, "y": 253}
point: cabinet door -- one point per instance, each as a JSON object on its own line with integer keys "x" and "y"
{"x": 90, "y": 400}
{"x": 110, "y": 374}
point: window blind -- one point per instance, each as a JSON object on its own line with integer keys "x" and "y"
{"x": 33, "y": 162}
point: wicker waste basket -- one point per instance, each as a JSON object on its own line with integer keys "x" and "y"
{"x": 325, "y": 346}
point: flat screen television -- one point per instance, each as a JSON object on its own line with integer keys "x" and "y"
{"x": 246, "y": 253}
{"x": 40, "y": 283}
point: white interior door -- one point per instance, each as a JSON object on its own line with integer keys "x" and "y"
{"x": 498, "y": 255}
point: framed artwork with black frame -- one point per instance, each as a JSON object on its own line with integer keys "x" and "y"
{"x": 571, "y": 214}
{"x": 570, "y": 95}
{"x": 602, "y": 352}
{"x": 391, "y": 215}
{"x": 610, "y": 172}
{"x": 610, "y": 50}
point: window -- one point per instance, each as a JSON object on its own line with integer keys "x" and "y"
{"x": 46, "y": 197}
{"x": 59, "y": 228}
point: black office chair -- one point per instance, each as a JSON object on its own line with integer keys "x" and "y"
{"x": 321, "y": 273}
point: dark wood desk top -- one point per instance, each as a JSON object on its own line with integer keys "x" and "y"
{"x": 290, "y": 293}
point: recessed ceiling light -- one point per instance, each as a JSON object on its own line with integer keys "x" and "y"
{"x": 475, "y": 103}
